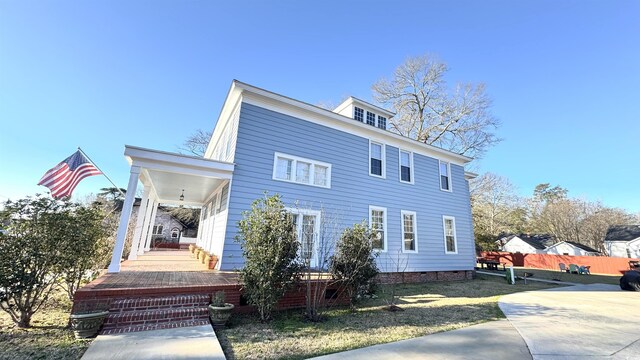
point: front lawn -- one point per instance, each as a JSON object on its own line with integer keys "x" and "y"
{"x": 49, "y": 338}
{"x": 429, "y": 308}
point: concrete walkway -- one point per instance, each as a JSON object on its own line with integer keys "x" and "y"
{"x": 482, "y": 341}
{"x": 596, "y": 321}
{"x": 192, "y": 343}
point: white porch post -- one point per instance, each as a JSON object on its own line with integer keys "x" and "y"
{"x": 137, "y": 234}
{"x": 114, "y": 267}
{"x": 145, "y": 225}
{"x": 147, "y": 244}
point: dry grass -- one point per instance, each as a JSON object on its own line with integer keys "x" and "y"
{"x": 563, "y": 276}
{"x": 429, "y": 308}
{"x": 49, "y": 337}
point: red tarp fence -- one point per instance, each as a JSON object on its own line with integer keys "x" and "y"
{"x": 599, "y": 264}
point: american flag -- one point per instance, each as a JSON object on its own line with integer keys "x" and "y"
{"x": 63, "y": 178}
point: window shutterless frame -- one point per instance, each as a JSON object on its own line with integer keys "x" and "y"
{"x": 383, "y": 173}
{"x": 384, "y": 225}
{"x": 444, "y": 179}
{"x": 400, "y": 170}
{"x": 312, "y": 170}
{"x": 406, "y": 230}
{"x": 449, "y": 234}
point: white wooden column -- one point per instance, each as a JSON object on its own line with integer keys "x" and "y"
{"x": 147, "y": 244}
{"x": 146, "y": 227}
{"x": 114, "y": 267}
{"x": 137, "y": 234}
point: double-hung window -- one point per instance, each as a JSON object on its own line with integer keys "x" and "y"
{"x": 378, "y": 224}
{"x": 376, "y": 159}
{"x": 445, "y": 176}
{"x": 406, "y": 166}
{"x": 409, "y": 232}
{"x": 450, "y": 241}
{"x": 301, "y": 171}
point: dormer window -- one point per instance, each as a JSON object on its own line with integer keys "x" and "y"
{"x": 382, "y": 122}
{"x": 358, "y": 114}
{"x": 371, "y": 118}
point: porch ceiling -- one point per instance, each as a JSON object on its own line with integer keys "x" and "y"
{"x": 168, "y": 173}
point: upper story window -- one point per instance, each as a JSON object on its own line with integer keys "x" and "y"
{"x": 224, "y": 195}
{"x": 406, "y": 166}
{"x": 301, "y": 171}
{"x": 382, "y": 122}
{"x": 358, "y": 114}
{"x": 378, "y": 224}
{"x": 175, "y": 233}
{"x": 445, "y": 176}
{"x": 409, "y": 233}
{"x": 376, "y": 159}
{"x": 450, "y": 241}
{"x": 371, "y": 118}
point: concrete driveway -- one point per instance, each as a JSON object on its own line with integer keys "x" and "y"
{"x": 594, "y": 321}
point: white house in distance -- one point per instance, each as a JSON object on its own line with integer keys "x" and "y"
{"x": 526, "y": 244}
{"x": 623, "y": 241}
{"x": 571, "y": 248}
{"x": 544, "y": 244}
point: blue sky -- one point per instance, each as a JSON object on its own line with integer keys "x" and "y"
{"x": 564, "y": 77}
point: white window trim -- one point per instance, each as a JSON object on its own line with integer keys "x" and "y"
{"x": 316, "y": 230}
{"x": 295, "y": 160}
{"x": 386, "y": 225}
{"x": 448, "y": 176}
{"x": 364, "y": 114}
{"x": 415, "y": 230}
{"x": 383, "y": 155}
{"x": 400, "y": 151}
{"x": 444, "y": 234}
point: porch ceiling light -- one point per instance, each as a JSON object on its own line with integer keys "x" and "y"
{"x": 182, "y": 195}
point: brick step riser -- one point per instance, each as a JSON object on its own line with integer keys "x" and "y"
{"x": 137, "y": 304}
{"x": 155, "y": 316}
{"x": 157, "y": 326}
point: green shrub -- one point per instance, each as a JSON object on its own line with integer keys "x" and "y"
{"x": 270, "y": 249}
{"x": 47, "y": 242}
{"x": 353, "y": 265}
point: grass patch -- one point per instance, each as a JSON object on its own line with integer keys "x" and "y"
{"x": 429, "y": 308}
{"x": 48, "y": 338}
{"x": 563, "y": 276}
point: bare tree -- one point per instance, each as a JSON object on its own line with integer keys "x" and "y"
{"x": 196, "y": 144}
{"x": 459, "y": 120}
{"x": 495, "y": 205}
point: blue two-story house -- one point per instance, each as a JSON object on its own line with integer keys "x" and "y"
{"x": 332, "y": 169}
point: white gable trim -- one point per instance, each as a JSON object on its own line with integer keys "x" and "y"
{"x": 285, "y": 105}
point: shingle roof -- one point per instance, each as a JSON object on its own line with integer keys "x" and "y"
{"x": 583, "y": 247}
{"x": 538, "y": 241}
{"x": 622, "y": 233}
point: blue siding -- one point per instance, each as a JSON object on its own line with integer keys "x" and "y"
{"x": 263, "y": 132}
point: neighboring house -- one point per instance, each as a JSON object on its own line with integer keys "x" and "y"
{"x": 166, "y": 228}
{"x": 526, "y": 244}
{"x": 571, "y": 248}
{"x": 342, "y": 163}
{"x": 623, "y": 241}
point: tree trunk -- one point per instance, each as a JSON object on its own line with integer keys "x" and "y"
{"x": 25, "y": 320}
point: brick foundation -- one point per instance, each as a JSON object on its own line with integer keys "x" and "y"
{"x": 424, "y": 277}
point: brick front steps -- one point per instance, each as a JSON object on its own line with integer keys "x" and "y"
{"x": 154, "y": 313}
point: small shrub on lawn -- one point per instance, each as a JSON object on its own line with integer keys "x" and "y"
{"x": 353, "y": 263}
{"x": 270, "y": 249}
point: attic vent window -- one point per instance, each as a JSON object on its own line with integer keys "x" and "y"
{"x": 382, "y": 122}
{"x": 371, "y": 118}
{"x": 358, "y": 114}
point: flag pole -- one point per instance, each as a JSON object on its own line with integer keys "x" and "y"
{"x": 103, "y": 173}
